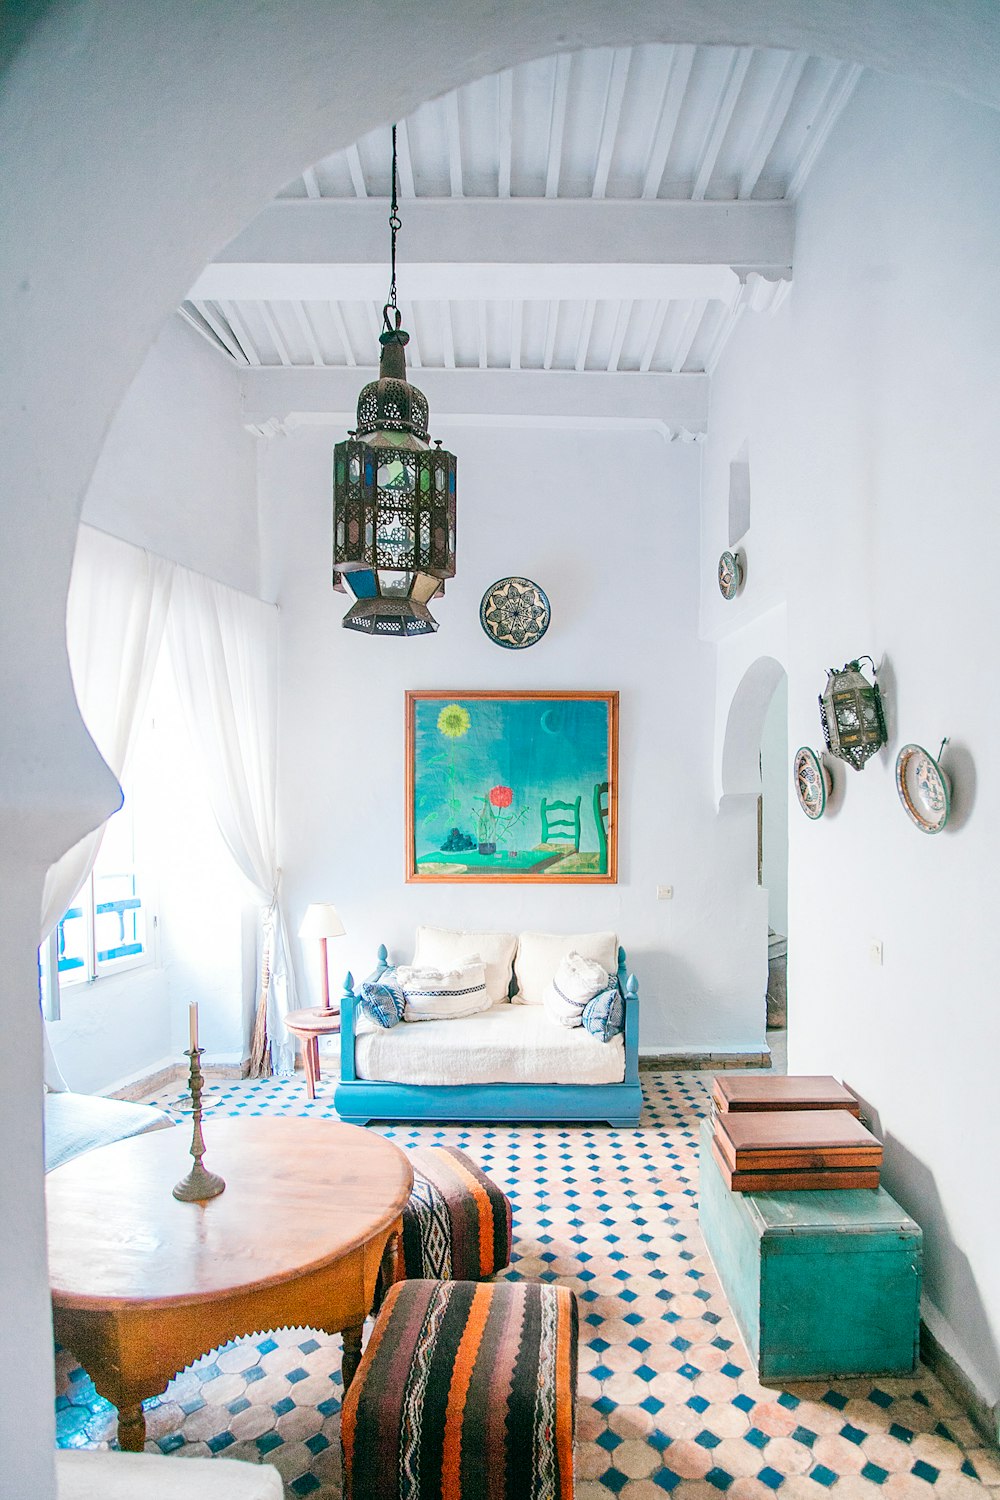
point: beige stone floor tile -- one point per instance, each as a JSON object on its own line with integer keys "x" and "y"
{"x": 688, "y": 1459}
{"x": 636, "y": 1458}
{"x": 840, "y": 1455}
{"x": 302, "y": 1422}
{"x": 251, "y": 1423}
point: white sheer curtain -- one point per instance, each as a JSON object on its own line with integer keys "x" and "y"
{"x": 223, "y": 646}
{"x": 115, "y": 617}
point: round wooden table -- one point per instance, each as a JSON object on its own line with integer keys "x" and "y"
{"x": 143, "y": 1284}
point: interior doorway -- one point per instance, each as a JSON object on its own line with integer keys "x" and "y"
{"x": 772, "y": 849}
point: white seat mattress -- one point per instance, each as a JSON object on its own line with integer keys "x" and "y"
{"x": 505, "y": 1044}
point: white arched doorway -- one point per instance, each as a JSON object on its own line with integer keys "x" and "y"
{"x": 755, "y": 800}
{"x": 142, "y": 138}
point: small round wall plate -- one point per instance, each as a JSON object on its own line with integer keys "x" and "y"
{"x": 731, "y": 573}
{"x": 923, "y": 788}
{"x": 514, "y": 613}
{"x": 812, "y": 782}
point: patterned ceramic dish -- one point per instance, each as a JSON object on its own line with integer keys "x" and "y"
{"x": 923, "y": 788}
{"x": 514, "y": 613}
{"x": 812, "y": 782}
{"x": 730, "y": 574}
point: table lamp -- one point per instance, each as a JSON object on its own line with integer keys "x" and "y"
{"x": 322, "y": 921}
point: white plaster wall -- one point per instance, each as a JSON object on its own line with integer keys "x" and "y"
{"x": 608, "y": 525}
{"x": 870, "y": 404}
{"x": 135, "y": 150}
{"x": 774, "y": 775}
{"x": 177, "y": 474}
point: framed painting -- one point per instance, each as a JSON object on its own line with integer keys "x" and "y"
{"x": 512, "y": 786}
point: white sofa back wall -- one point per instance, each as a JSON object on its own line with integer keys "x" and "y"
{"x": 608, "y": 525}
{"x": 869, "y": 403}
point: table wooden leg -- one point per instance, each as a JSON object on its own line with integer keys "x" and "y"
{"x": 131, "y": 1428}
{"x": 352, "y": 1353}
{"x": 309, "y": 1058}
{"x": 315, "y": 1046}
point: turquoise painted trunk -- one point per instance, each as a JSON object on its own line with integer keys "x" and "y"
{"x": 820, "y": 1283}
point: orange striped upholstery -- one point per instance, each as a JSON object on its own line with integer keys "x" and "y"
{"x": 457, "y": 1223}
{"x": 465, "y": 1392}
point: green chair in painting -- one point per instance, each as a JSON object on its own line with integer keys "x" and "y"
{"x": 561, "y": 823}
{"x": 601, "y": 818}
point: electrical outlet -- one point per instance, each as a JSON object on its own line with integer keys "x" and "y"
{"x": 875, "y": 952}
{"x": 664, "y": 893}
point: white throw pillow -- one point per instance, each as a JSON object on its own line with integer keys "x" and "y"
{"x": 576, "y": 981}
{"x": 443, "y": 994}
{"x": 442, "y": 948}
{"x": 539, "y": 955}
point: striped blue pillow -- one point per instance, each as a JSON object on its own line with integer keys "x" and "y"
{"x": 382, "y": 1000}
{"x": 604, "y": 1016}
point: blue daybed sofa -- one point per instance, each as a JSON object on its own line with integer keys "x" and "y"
{"x": 520, "y": 1029}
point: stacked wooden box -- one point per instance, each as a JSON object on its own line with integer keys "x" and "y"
{"x": 786, "y": 1134}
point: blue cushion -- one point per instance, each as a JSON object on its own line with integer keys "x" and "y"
{"x": 382, "y": 1000}
{"x": 604, "y": 1016}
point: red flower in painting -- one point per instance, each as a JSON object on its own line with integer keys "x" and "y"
{"x": 501, "y": 796}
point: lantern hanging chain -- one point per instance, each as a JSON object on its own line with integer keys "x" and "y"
{"x": 395, "y": 224}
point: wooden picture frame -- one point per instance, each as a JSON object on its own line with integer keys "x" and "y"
{"x": 518, "y": 787}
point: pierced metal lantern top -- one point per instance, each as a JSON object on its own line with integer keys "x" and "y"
{"x": 391, "y": 403}
{"x": 850, "y": 710}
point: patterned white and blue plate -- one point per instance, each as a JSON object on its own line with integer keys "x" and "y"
{"x": 514, "y": 613}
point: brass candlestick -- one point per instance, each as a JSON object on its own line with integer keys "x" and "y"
{"x": 199, "y": 1183}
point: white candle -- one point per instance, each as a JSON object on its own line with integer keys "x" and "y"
{"x": 193, "y": 1025}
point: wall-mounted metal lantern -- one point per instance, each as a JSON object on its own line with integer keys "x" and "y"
{"x": 850, "y": 711}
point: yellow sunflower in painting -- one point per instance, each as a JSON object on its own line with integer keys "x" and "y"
{"x": 453, "y": 721}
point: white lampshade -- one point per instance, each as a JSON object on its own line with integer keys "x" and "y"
{"x": 321, "y": 921}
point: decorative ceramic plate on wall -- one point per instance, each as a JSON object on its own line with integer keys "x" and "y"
{"x": 730, "y": 574}
{"x": 514, "y": 613}
{"x": 812, "y": 782}
{"x": 923, "y": 788}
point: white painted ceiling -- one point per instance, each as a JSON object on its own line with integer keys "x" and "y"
{"x": 612, "y": 210}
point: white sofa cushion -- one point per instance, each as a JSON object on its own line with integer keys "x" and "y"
{"x": 444, "y": 948}
{"x": 442, "y": 994}
{"x": 539, "y": 955}
{"x": 504, "y": 1044}
{"x": 576, "y": 981}
{"x": 88, "y": 1475}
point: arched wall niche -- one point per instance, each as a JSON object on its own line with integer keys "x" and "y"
{"x": 744, "y": 727}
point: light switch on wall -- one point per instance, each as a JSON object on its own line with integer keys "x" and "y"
{"x": 664, "y": 893}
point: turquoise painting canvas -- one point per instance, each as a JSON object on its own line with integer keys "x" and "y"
{"x": 511, "y": 786}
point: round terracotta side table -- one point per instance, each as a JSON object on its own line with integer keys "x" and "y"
{"x": 308, "y": 1026}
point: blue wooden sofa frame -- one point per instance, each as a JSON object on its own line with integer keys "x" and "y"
{"x": 358, "y": 1100}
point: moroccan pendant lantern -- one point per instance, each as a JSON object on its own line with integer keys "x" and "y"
{"x": 393, "y": 494}
{"x": 850, "y": 710}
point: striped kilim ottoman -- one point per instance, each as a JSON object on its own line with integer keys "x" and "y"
{"x": 465, "y": 1391}
{"x": 457, "y": 1223}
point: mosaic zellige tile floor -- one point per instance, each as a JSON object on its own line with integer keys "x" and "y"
{"x": 668, "y": 1400}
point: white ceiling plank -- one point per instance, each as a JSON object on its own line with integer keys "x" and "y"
{"x": 618, "y": 337}
{"x": 688, "y": 335}
{"x": 551, "y": 327}
{"x": 301, "y": 315}
{"x": 653, "y": 337}
{"x": 483, "y": 346}
{"x": 612, "y": 116}
{"x": 777, "y": 111}
{"x": 488, "y": 397}
{"x": 357, "y": 171}
{"x": 241, "y": 332}
{"x": 586, "y": 328}
{"x": 311, "y": 183}
{"x": 735, "y": 78}
{"x": 276, "y": 338}
{"x": 373, "y": 312}
{"x": 188, "y": 314}
{"x": 336, "y": 248}
{"x": 670, "y": 109}
{"x": 516, "y": 333}
{"x": 404, "y": 158}
{"x": 557, "y": 124}
{"x": 342, "y": 333}
{"x": 448, "y": 334}
{"x": 505, "y": 132}
{"x": 454, "y": 144}
{"x": 842, "y": 86}
{"x": 213, "y": 333}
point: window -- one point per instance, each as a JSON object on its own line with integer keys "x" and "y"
{"x": 110, "y": 925}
